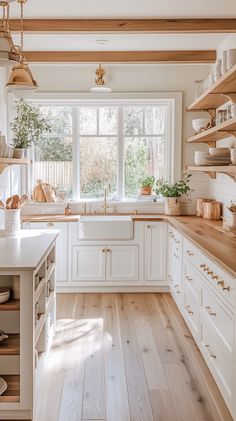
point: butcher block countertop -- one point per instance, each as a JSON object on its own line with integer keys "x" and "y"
{"x": 207, "y": 235}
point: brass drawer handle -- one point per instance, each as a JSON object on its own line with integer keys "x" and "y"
{"x": 103, "y": 250}
{"x": 189, "y": 253}
{"x": 177, "y": 289}
{"x": 50, "y": 224}
{"x": 203, "y": 266}
{"x": 209, "y": 351}
{"x": 188, "y": 308}
{"x": 222, "y": 284}
{"x": 188, "y": 278}
{"x": 209, "y": 311}
{"x": 209, "y": 272}
{"x": 108, "y": 250}
{"x": 215, "y": 277}
{"x": 148, "y": 226}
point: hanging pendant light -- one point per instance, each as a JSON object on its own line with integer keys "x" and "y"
{"x": 100, "y": 85}
{"x": 8, "y": 52}
{"x": 21, "y": 81}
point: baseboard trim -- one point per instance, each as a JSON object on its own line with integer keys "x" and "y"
{"x": 123, "y": 289}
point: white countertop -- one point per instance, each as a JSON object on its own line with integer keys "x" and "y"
{"x": 25, "y": 250}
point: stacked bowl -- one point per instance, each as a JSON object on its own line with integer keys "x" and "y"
{"x": 215, "y": 156}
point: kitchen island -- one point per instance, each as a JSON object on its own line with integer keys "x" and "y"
{"x": 27, "y": 268}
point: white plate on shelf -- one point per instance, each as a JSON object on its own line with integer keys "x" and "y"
{"x": 3, "y": 386}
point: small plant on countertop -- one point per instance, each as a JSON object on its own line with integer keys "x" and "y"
{"x": 146, "y": 184}
{"x": 177, "y": 189}
{"x": 28, "y": 126}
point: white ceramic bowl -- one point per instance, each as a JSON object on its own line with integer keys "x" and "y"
{"x": 3, "y": 385}
{"x": 4, "y": 295}
{"x": 200, "y": 158}
{"x": 219, "y": 151}
{"x": 231, "y": 58}
{"x": 200, "y": 124}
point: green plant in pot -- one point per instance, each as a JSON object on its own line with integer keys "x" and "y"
{"x": 172, "y": 193}
{"x": 27, "y": 127}
{"x": 146, "y": 184}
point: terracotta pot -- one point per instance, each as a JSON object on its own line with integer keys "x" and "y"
{"x": 146, "y": 190}
{"x": 172, "y": 206}
{"x": 18, "y": 153}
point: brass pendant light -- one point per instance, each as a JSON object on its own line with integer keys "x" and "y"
{"x": 100, "y": 85}
{"x": 8, "y": 52}
{"x": 21, "y": 81}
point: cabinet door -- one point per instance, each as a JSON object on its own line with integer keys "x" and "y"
{"x": 61, "y": 246}
{"x": 122, "y": 263}
{"x": 88, "y": 263}
{"x": 155, "y": 251}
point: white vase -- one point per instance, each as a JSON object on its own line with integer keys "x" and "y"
{"x": 231, "y": 220}
{"x": 12, "y": 221}
{"x": 172, "y": 206}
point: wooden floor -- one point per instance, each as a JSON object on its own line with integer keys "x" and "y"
{"x": 125, "y": 357}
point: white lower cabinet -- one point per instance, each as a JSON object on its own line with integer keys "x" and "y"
{"x": 105, "y": 263}
{"x": 61, "y": 245}
{"x": 209, "y": 312}
{"x": 88, "y": 263}
{"x": 155, "y": 251}
{"x": 122, "y": 263}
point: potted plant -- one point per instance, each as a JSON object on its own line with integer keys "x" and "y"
{"x": 232, "y": 217}
{"x": 28, "y": 126}
{"x": 146, "y": 184}
{"x": 172, "y": 193}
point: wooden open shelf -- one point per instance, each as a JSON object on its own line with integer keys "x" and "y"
{"x": 210, "y": 136}
{"x": 230, "y": 170}
{"x": 11, "y": 305}
{"x": 10, "y": 346}
{"x": 218, "y": 94}
{"x": 5, "y": 162}
{"x": 12, "y": 394}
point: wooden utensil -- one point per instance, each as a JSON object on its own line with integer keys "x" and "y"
{"x": 23, "y": 201}
{"x": 9, "y": 202}
{"x": 2, "y": 205}
{"x": 15, "y": 201}
{"x": 212, "y": 210}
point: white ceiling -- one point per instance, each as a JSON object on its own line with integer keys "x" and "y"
{"x": 122, "y": 42}
{"x": 127, "y": 8}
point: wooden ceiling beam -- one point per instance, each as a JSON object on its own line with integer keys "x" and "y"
{"x": 186, "y": 56}
{"x": 165, "y": 26}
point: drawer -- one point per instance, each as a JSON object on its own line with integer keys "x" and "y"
{"x": 175, "y": 236}
{"x": 175, "y": 288}
{"x": 191, "y": 252}
{"x": 219, "y": 359}
{"x": 222, "y": 282}
{"x": 218, "y": 317}
{"x": 192, "y": 279}
{"x": 191, "y": 309}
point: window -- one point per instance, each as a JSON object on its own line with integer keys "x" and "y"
{"x": 94, "y": 143}
{"x": 53, "y": 156}
{"x": 98, "y": 149}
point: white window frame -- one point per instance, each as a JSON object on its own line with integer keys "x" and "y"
{"x": 173, "y": 150}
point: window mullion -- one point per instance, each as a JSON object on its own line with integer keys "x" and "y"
{"x": 75, "y": 153}
{"x": 120, "y": 166}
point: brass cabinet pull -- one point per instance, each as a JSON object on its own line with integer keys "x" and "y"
{"x": 108, "y": 250}
{"x": 209, "y": 311}
{"x": 206, "y": 269}
{"x": 209, "y": 351}
{"x": 188, "y": 308}
{"x": 189, "y": 253}
{"x": 188, "y": 278}
{"x": 148, "y": 226}
{"x": 215, "y": 277}
{"x": 222, "y": 284}
{"x": 177, "y": 289}
{"x": 103, "y": 250}
{"x": 202, "y": 266}
{"x": 50, "y": 224}
{"x": 209, "y": 272}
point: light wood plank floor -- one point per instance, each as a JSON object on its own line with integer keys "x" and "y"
{"x": 125, "y": 357}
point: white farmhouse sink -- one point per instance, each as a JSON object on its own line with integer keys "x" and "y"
{"x": 106, "y": 227}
